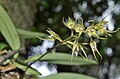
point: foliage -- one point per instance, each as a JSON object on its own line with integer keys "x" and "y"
{"x": 24, "y": 66}
{"x": 11, "y": 34}
{"x": 67, "y": 76}
{"x": 61, "y": 58}
{"x": 8, "y": 30}
{"x": 29, "y": 34}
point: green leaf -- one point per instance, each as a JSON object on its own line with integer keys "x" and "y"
{"x": 2, "y": 46}
{"x": 61, "y": 58}
{"x": 68, "y": 76}
{"x": 29, "y": 34}
{"x": 8, "y": 30}
{"x": 29, "y": 70}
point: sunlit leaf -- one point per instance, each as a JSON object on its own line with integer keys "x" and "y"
{"x": 8, "y": 30}
{"x": 68, "y": 76}
{"x": 62, "y": 58}
{"x": 29, "y": 34}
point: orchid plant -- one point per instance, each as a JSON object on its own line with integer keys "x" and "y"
{"x": 77, "y": 29}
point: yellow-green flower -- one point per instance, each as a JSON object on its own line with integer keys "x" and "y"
{"x": 93, "y": 46}
{"x": 77, "y": 48}
{"x": 101, "y": 24}
{"x": 70, "y": 24}
{"x": 91, "y": 31}
{"x": 106, "y": 33}
{"x": 79, "y": 28}
{"x": 53, "y": 35}
{"x": 100, "y": 28}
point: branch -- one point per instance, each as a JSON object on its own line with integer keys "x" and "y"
{"x": 9, "y": 55}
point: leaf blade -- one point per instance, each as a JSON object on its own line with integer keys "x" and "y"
{"x": 61, "y": 58}
{"x": 29, "y": 34}
{"x": 29, "y": 70}
{"x": 8, "y": 30}
{"x": 68, "y": 76}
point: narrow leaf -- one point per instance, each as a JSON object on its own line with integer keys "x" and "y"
{"x": 29, "y": 34}
{"x": 29, "y": 70}
{"x": 61, "y": 58}
{"x": 8, "y": 29}
{"x": 68, "y": 76}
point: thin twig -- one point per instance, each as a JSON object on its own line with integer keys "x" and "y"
{"x": 10, "y": 54}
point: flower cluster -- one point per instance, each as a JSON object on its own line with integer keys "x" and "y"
{"x": 77, "y": 29}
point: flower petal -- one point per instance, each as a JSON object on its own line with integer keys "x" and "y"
{"x": 93, "y": 46}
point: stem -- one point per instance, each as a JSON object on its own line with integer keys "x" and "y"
{"x": 22, "y": 76}
{"x": 72, "y": 31}
{"x": 10, "y": 54}
{"x": 67, "y": 39}
{"x": 91, "y": 38}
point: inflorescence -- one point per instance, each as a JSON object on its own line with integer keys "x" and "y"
{"x": 77, "y": 29}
